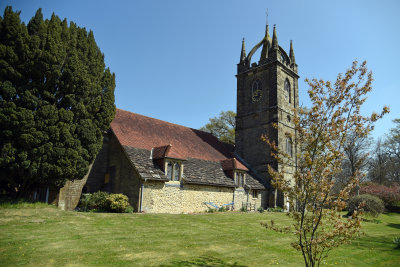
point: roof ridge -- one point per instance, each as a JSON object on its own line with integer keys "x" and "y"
{"x": 165, "y": 121}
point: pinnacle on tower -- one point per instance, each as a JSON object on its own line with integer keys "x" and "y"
{"x": 243, "y": 52}
{"x": 275, "y": 39}
{"x": 267, "y": 37}
{"x": 291, "y": 54}
{"x": 264, "y": 51}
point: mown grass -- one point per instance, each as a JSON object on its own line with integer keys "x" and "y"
{"x": 40, "y": 235}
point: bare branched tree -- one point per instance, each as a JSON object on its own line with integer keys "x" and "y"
{"x": 321, "y": 135}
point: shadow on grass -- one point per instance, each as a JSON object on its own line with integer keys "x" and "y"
{"x": 383, "y": 243}
{"x": 394, "y": 225}
{"x": 203, "y": 261}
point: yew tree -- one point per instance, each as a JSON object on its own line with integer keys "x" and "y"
{"x": 56, "y": 101}
{"x": 321, "y": 133}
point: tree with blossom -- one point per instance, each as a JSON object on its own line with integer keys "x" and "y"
{"x": 320, "y": 136}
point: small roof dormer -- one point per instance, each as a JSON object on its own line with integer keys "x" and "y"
{"x": 233, "y": 164}
{"x": 170, "y": 160}
{"x": 235, "y": 170}
{"x": 167, "y": 151}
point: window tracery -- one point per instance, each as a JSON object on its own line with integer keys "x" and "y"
{"x": 173, "y": 170}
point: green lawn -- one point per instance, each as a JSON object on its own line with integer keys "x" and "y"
{"x": 39, "y": 235}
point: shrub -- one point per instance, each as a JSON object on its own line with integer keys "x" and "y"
{"x": 211, "y": 210}
{"x": 129, "y": 209}
{"x": 94, "y": 202}
{"x": 104, "y": 202}
{"x": 389, "y": 195}
{"x": 277, "y": 209}
{"x": 243, "y": 209}
{"x": 117, "y": 202}
{"x": 372, "y": 205}
{"x": 222, "y": 209}
{"x": 396, "y": 241}
{"x": 260, "y": 209}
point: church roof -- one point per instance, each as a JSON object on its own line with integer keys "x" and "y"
{"x": 135, "y": 130}
{"x": 146, "y": 140}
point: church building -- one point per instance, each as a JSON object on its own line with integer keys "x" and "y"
{"x": 168, "y": 168}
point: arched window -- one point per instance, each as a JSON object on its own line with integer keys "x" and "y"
{"x": 256, "y": 85}
{"x": 287, "y": 90}
{"x": 177, "y": 171}
{"x": 169, "y": 170}
{"x": 173, "y": 170}
{"x": 289, "y": 146}
{"x": 240, "y": 179}
{"x": 256, "y": 90}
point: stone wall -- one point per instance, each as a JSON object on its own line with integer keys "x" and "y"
{"x": 112, "y": 162}
{"x": 172, "y": 197}
{"x": 70, "y": 194}
{"x": 244, "y": 198}
{"x": 123, "y": 177}
{"x": 95, "y": 180}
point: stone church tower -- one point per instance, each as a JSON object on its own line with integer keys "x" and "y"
{"x": 267, "y": 92}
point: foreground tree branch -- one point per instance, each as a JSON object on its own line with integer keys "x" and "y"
{"x": 320, "y": 137}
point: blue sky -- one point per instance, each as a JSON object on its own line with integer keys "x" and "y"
{"x": 176, "y": 60}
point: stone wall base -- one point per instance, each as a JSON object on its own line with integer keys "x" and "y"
{"x": 172, "y": 197}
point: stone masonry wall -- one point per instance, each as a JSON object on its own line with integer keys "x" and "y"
{"x": 125, "y": 180}
{"x": 95, "y": 180}
{"x": 170, "y": 197}
{"x": 255, "y": 118}
{"x": 243, "y": 197}
{"x": 70, "y": 194}
{"x": 240, "y": 198}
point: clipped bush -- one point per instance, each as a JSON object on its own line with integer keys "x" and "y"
{"x": 117, "y": 202}
{"x": 260, "y": 209}
{"x": 370, "y": 204}
{"x": 104, "y": 202}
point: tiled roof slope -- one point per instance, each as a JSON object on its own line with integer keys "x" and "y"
{"x": 145, "y": 166}
{"x": 196, "y": 171}
{"x": 143, "y": 132}
{"x": 202, "y": 152}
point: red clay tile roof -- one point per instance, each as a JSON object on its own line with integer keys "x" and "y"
{"x": 160, "y": 152}
{"x": 167, "y": 151}
{"x": 143, "y": 132}
{"x": 232, "y": 164}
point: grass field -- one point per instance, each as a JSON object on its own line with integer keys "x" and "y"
{"x": 40, "y": 235}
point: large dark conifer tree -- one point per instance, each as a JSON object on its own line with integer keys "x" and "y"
{"x": 56, "y": 101}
